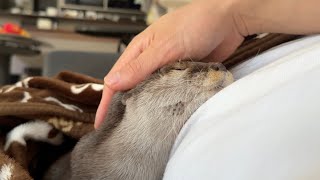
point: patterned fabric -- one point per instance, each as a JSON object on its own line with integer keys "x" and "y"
{"x": 68, "y": 102}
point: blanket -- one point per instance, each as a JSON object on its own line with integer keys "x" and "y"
{"x": 42, "y": 118}
{"x": 67, "y": 102}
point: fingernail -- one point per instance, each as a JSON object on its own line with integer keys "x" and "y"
{"x": 113, "y": 79}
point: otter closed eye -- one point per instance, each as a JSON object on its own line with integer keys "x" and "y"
{"x": 136, "y": 138}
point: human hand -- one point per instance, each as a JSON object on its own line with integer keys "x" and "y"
{"x": 203, "y": 29}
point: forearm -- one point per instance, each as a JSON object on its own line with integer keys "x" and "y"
{"x": 277, "y": 16}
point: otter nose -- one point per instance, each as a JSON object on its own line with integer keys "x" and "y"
{"x": 218, "y": 67}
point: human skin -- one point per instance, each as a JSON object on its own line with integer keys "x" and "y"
{"x": 207, "y": 30}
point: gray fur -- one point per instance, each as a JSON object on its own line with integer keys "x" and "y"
{"x": 135, "y": 140}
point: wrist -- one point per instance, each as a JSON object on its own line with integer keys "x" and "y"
{"x": 245, "y": 15}
{"x": 274, "y": 16}
{"x": 240, "y": 12}
{"x": 231, "y": 10}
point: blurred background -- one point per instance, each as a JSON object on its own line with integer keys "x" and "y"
{"x": 43, "y": 37}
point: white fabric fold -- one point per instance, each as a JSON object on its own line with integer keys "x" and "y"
{"x": 264, "y": 126}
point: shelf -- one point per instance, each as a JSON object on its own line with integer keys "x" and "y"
{"x": 103, "y": 9}
{"x": 99, "y": 21}
{"x": 87, "y": 26}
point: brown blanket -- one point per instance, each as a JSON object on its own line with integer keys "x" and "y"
{"x": 68, "y": 102}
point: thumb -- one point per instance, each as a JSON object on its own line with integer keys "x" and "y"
{"x": 104, "y": 104}
{"x": 126, "y": 77}
{"x": 135, "y": 71}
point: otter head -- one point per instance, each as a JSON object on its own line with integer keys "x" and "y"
{"x": 136, "y": 139}
{"x": 177, "y": 90}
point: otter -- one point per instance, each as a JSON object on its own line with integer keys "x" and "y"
{"x": 135, "y": 140}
